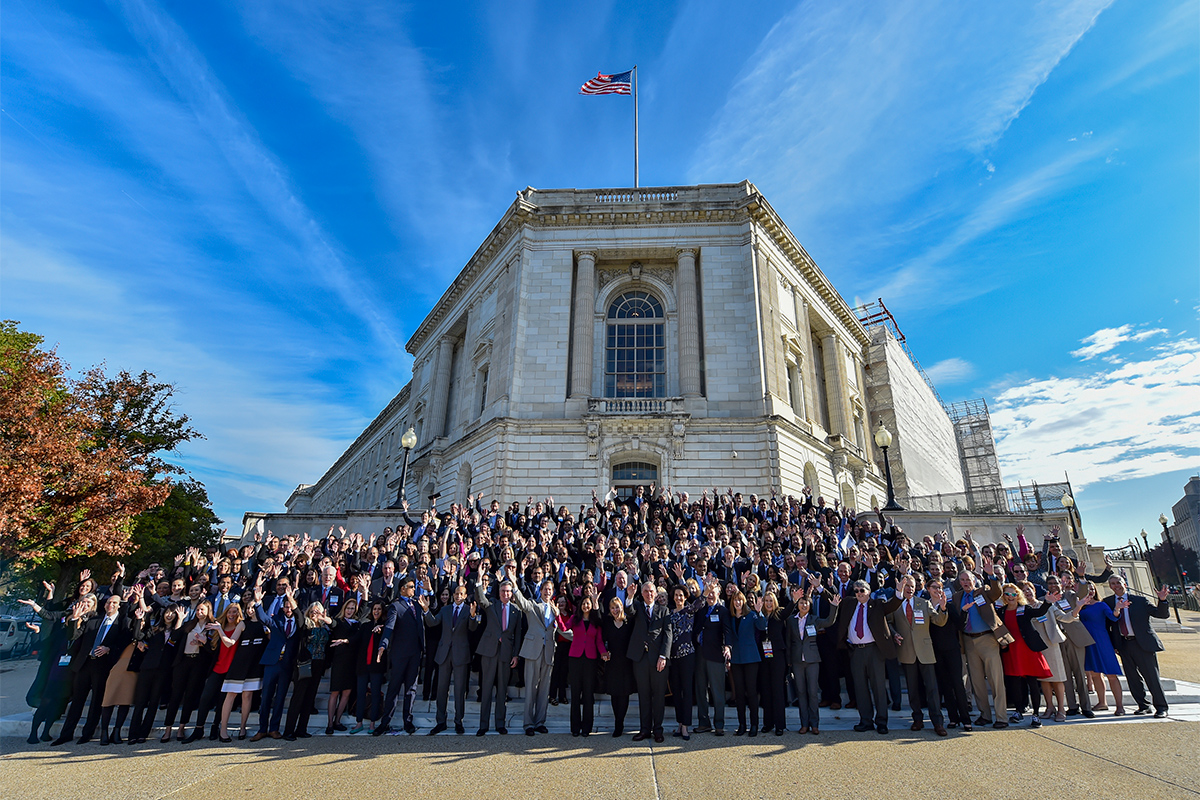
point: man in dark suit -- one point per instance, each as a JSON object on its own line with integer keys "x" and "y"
{"x": 278, "y": 658}
{"x": 863, "y": 630}
{"x": 1137, "y": 643}
{"x": 708, "y": 633}
{"x": 384, "y": 587}
{"x": 453, "y": 655}
{"x": 403, "y": 641}
{"x": 93, "y": 653}
{"x": 326, "y": 593}
{"x": 649, "y": 647}
{"x": 497, "y": 650}
{"x": 224, "y": 596}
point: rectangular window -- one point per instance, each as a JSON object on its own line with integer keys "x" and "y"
{"x": 483, "y": 387}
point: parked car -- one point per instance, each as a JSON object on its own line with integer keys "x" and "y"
{"x": 16, "y": 640}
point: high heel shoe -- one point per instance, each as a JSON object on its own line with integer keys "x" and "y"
{"x": 194, "y": 736}
{"x": 241, "y": 735}
{"x": 224, "y": 739}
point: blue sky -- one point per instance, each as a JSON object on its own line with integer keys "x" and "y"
{"x": 259, "y": 202}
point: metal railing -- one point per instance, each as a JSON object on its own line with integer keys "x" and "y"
{"x": 1036, "y": 498}
{"x": 633, "y": 405}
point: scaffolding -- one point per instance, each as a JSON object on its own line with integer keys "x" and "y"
{"x": 977, "y": 452}
{"x": 877, "y": 315}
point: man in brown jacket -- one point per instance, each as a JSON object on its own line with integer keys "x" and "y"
{"x": 912, "y": 621}
{"x": 974, "y": 601}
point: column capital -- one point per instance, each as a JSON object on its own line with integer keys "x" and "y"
{"x": 686, "y": 252}
{"x": 590, "y": 255}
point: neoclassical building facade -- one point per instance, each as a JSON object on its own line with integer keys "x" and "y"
{"x": 614, "y": 337}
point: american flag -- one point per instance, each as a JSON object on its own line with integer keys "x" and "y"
{"x": 621, "y": 83}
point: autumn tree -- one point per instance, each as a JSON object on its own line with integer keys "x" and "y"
{"x": 79, "y": 458}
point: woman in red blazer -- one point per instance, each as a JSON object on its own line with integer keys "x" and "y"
{"x": 587, "y": 648}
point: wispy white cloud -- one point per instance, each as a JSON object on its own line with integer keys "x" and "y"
{"x": 1107, "y": 339}
{"x": 1133, "y": 419}
{"x": 950, "y": 371}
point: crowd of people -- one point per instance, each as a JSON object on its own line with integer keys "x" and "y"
{"x": 755, "y": 602}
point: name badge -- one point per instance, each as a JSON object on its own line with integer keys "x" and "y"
{"x": 1043, "y": 619}
{"x": 768, "y": 651}
{"x": 918, "y": 616}
{"x": 64, "y": 660}
{"x": 714, "y": 618}
{"x": 1020, "y": 611}
{"x": 980, "y": 600}
{"x": 810, "y": 630}
{"x": 1064, "y": 605}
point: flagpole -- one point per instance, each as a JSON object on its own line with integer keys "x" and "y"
{"x": 635, "y": 128}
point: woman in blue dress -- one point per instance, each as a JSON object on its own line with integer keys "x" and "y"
{"x": 1100, "y": 658}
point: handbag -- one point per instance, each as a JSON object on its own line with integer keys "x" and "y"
{"x": 1003, "y": 637}
{"x": 303, "y": 670}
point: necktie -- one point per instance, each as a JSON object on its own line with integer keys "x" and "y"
{"x": 1125, "y": 628}
{"x": 104, "y": 626}
{"x": 288, "y": 627}
{"x": 454, "y": 619}
{"x": 504, "y": 617}
{"x": 325, "y": 597}
{"x": 908, "y": 612}
{"x": 858, "y": 621}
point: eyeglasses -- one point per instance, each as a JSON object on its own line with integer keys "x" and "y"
{"x": 1010, "y": 594}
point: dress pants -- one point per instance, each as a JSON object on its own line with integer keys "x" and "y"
{"x": 372, "y": 681}
{"x": 745, "y": 692}
{"x": 829, "y": 675}
{"x": 581, "y": 673}
{"x": 1141, "y": 671}
{"x": 89, "y": 680}
{"x": 986, "y": 668}
{"x": 304, "y": 694}
{"x": 274, "y": 695}
{"x": 146, "y": 695}
{"x": 402, "y": 678}
{"x": 808, "y": 690}
{"x": 772, "y": 686}
{"x": 559, "y": 677}
{"x": 1073, "y": 657}
{"x": 461, "y": 673}
{"x": 494, "y": 673}
{"x": 710, "y": 675}
{"x": 683, "y": 685}
{"x": 870, "y": 690}
{"x": 652, "y": 694}
{"x": 923, "y": 691}
{"x": 949, "y": 671}
{"x": 187, "y": 680}
{"x": 537, "y": 690}
{"x": 210, "y": 699}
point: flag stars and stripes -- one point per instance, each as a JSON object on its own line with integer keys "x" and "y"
{"x": 620, "y": 83}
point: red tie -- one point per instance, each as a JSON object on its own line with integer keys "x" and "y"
{"x": 908, "y": 612}
{"x": 1125, "y": 628}
{"x": 858, "y": 621}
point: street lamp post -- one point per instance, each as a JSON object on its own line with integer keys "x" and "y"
{"x": 1069, "y": 504}
{"x": 1162, "y": 519}
{"x": 408, "y": 441}
{"x": 883, "y": 438}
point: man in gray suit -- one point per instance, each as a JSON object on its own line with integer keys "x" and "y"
{"x": 911, "y": 621}
{"x": 453, "y": 655}
{"x": 538, "y": 652}
{"x": 497, "y": 651}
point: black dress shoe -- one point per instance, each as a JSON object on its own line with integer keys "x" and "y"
{"x": 46, "y": 737}
{"x": 194, "y": 736}
{"x": 982, "y": 721}
{"x": 917, "y": 726}
{"x": 337, "y": 726}
{"x": 104, "y": 738}
{"x": 33, "y": 739}
{"x": 459, "y": 729}
{"x": 1141, "y": 710}
{"x": 719, "y": 732}
{"x": 214, "y": 734}
{"x": 703, "y": 729}
{"x": 780, "y": 731}
{"x": 436, "y": 729}
{"x": 481, "y": 732}
{"x": 329, "y": 730}
{"x": 881, "y": 729}
{"x": 862, "y": 727}
{"x": 1088, "y": 713}
{"x": 895, "y": 706}
{"x": 410, "y": 728}
{"x": 529, "y": 732}
{"x": 542, "y": 729}
{"x": 741, "y": 731}
{"x": 640, "y": 736}
{"x": 83, "y": 740}
{"x": 502, "y": 731}
{"x": 303, "y": 735}
{"x": 575, "y": 734}
{"x": 753, "y": 732}
{"x": 999, "y": 724}
{"x": 616, "y": 733}
{"x": 61, "y": 740}
{"x": 658, "y": 737}
{"x": 1072, "y": 712}
{"x": 1160, "y": 714}
{"x": 381, "y": 730}
{"x": 289, "y": 737}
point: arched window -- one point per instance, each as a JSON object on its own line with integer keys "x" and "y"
{"x": 635, "y": 363}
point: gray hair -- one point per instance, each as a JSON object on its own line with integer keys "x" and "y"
{"x": 860, "y": 584}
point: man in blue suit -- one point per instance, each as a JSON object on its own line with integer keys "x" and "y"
{"x": 278, "y": 659}
{"x": 402, "y": 642}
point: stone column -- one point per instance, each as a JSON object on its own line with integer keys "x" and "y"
{"x": 584, "y": 332}
{"x": 439, "y": 394}
{"x": 689, "y": 323}
{"x": 835, "y": 385}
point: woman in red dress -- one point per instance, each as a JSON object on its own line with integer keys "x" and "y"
{"x": 1024, "y": 665}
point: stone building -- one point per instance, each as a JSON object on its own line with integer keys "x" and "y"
{"x": 616, "y": 337}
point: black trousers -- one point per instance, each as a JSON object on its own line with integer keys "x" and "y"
{"x": 870, "y": 684}
{"x": 89, "y": 680}
{"x": 948, "y": 670}
{"x": 1141, "y": 670}
{"x": 210, "y": 698}
{"x": 745, "y": 692}
{"x": 304, "y": 694}
{"x": 151, "y": 684}
{"x": 402, "y": 678}
{"x": 581, "y": 672}
{"x": 683, "y": 686}
{"x": 652, "y": 693}
{"x": 923, "y": 691}
{"x": 187, "y": 681}
{"x": 772, "y": 685}
{"x": 558, "y": 673}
